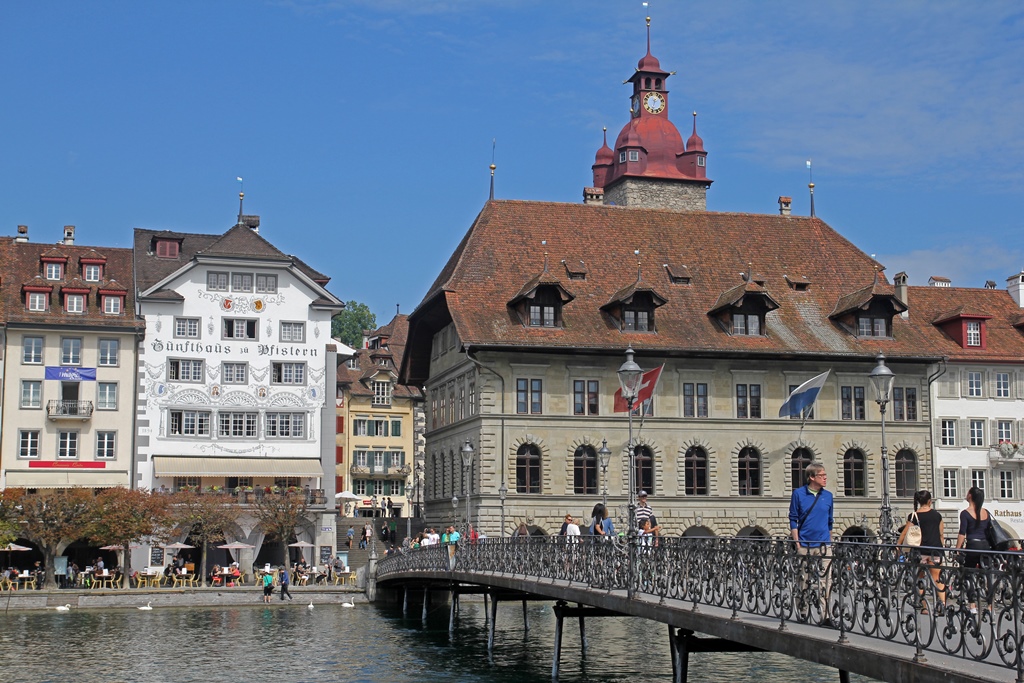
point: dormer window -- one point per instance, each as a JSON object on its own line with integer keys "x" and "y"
{"x": 539, "y": 303}
{"x": 633, "y": 307}
{"x": 37, "y": 301}
{"x": 91, "y": 272}
{"x": 54, "y": 271}
{"x": 700, "y": 161}
{"x": 112, "y": 305}
{"x": 746, "y": 323}
{"x": 872, "y": 326}
{"x": 545, "y": 309}
{"x": 74, "y": 303}
{"x": 634, "y": 155}
{"x": 974, "y": 333}
{"x": 167, "y": 248}
{"x": 622, "y": 157}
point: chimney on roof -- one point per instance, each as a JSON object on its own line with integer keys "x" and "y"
{"x": 1015, "y": 285}
{"x": 939, "y": 281}
{"x": 22, "y": 234}
{"x": 593, "y": 195}
{"x": 69, "y": 235}
{"x": 785, "y": 205}
{"x": 899, "y": 280}
{"x": 251, "y": 222}
{"x": 990, "y": 284}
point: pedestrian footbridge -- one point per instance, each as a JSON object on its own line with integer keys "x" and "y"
{"x": 864, "y": 608}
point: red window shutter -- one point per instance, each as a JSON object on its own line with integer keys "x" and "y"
{"x": 339, "y": 483}
{"x": 340, "y": 427}
{"x": 339, "y": 454}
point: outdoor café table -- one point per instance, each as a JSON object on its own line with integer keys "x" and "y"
{"x": 182, "y": 579}
{"x": 26, "y": 579}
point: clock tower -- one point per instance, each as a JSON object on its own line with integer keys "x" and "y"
{"x": 650, "y": 166}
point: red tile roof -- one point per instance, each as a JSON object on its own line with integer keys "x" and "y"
{"x": 504, "y": 243}
{"x": 931, "y": 305}
{"x": 355, "y": 380}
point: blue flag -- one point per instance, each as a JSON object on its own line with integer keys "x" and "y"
{"x": 803, "y": 396}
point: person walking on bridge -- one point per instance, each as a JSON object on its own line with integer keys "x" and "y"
{"x": 810, "y": 525}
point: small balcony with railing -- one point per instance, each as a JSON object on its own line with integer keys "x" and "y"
{"x": 396, "y": 472}
{"x": 69, "y": 410}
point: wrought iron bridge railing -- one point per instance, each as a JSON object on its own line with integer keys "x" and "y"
{"x": 870, "y": 589}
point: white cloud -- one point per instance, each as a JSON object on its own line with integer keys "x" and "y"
{"x": 967, "y": 265}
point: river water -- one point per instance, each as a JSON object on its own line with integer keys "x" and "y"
{"x": 292, "y": 644}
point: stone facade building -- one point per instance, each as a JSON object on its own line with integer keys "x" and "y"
{"x": 518, "y": 341}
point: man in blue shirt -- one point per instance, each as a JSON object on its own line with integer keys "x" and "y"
{"x": 810, "y": 512}
{"x": 810, "y": 525}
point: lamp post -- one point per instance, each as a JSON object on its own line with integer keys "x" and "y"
{"x": 630, "y": 377}
{"x": 455, "y": 509}
{"x": 604, "y": 454}
{"x": 881, "y": 382}
{"x": 467, "y": 465}
{"x": 373, "y": 526}
{"x": 417, "y": 489}
{"x": 502, "y": 492}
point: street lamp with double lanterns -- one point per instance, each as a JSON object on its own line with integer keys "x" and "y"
{"x": 882, "y": 380}
{"x": 604, "y": 455}
{"x": 502, "y": 494}
{"x": 630, "y": 378}
{"x": 467, "y": 470}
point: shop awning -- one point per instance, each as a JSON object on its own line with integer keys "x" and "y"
{"x": 184, "y": 466}
{"x": 62, "y": 479}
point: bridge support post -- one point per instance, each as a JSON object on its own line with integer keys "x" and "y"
{"x": 486, "y": 613}
{"x": 679, "y": 646}
{"x": 557, "y": 656}
{"x": 583, "y": 629}
{"x": 405, "y": 601}
{"x": 844, "y": 676}
{"x": 451, "y": 612}
{"x": 426, "y": 598}
{"x": 494, "y": 618}
{"x": 526, "y": 618}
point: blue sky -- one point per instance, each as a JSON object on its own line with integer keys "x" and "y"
{"x": 363, "y": 129}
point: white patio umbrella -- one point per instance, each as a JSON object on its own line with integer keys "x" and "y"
{"x": 347, "y": 495}
{"x": 301, "y": 544}
{"x": 235, "y": 545}
{"x": 178, "y": 546}
{"x": 14, "y": 548}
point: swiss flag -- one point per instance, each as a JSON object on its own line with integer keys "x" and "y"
{"x": 647, "y": 386}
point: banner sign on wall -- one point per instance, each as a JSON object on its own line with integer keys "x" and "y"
{"x": 71, "y": 374}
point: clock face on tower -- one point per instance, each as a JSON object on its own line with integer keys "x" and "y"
{"x": 654, "y": 103}
{"x": 634, "y": 105}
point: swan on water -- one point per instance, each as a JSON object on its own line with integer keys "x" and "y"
{"x": 63, "y": 608}
{"x": 148, "y": 607}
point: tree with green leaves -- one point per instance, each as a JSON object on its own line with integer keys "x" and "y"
{"x": 52, "y": 519}
{"x": 348, "y": 325}
{"x": 204, "y": 517}
{"x": 122, "y": 516}
{"x": 279, "y": 515}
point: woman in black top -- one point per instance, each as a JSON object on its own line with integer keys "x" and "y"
{"x": 933, "y": 531}
{"x": 974, "y": 522}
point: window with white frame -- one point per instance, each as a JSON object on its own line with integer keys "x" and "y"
{"x": 973, "y": 333}
{"x": 378, "y": 488}
{"x": 950, "y": 484}
{"x": 1005, "y": 483}
{"x": 374, "y": 427}
{"x": 236, "y": 425}
{"x": 378, "y": 461}
{"x": 189, "y": 423}
{"x": 978, "y": 479}
{"x": 948, "y": 435}
{"x": 32, "y": 350}
{"x": 266, "y": 284}
{"x": 31, "y": 393}
{"x": 106, "y": 396}
{"x": 91, "y": 272}
{"x": 74, "y": 303}
{"x": 288, "y": 373}
{"x": 112, "y": 304}
{"x": 234, "y": 373}
{"x": 286, "y": 425}
{"x": 54, "y": 271}
{"x": 28, "y": 443}
{"x": 108, "y": 352}
{"x": 634, "y": 155}
{"x": 977, "y": 432}
{"x": 186, "y": 328}
{"x": 1002, "y": 385}
{"x": 105, "y": 445}
{"x": 974, "y": 389}
{"x": 185, "y": 370}
{"x": 37, "y": 301}
{"x": 239, "y": 328}
{"x": 67, "y": 445}
{"x": 382, "y": 393}
{"x": 70, "y": 351}
{"x": 293, "y": 332}
{"x": 241, "y": 282}
{"x": 872, "y": 326}
{"x": 1004, "y": 430}
{"x": 359, "y": 458}
{"x": 359, "y": 487}
{"x": 217, "y": 282}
